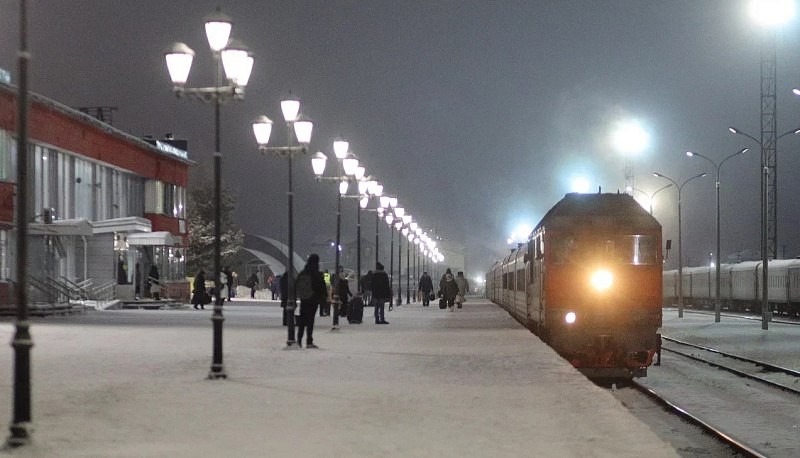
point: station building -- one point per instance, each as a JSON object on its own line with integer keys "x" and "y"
{"x": 105, "y": 206}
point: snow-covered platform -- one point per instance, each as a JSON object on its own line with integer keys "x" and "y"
{"x": 433, "y": 383}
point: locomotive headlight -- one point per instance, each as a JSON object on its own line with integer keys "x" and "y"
{"x": 570, "y": 317}
{"x": 602, "y": 280}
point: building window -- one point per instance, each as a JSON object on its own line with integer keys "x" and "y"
{"x": 6, "y": 151}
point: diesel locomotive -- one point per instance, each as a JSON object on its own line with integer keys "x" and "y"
{"x": 588, "y": 282}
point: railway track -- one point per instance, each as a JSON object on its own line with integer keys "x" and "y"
{"x": 725, "y": 440}
{"x": 748, "y": 404}
{"x": 747, "y": 368}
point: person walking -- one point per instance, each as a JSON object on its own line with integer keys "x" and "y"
{"x": 381, "y": 292}
{"x": 252, "y": 283}
{"x": 199, "y": 290}
{"x": 325, "y": 307}
{"x": 274, "y": 287}
{"x": 344, "y": 293}
{"x": 311, "y": 290}
{"x": 365, "y": 285}
{"x": 229, "y": 282}
{"x": 463, "y": 288}
{"x": 425, "y": 287}
{"x": 448, "y": 289}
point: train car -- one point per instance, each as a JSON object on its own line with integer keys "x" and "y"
{"x": 740, "y": 286}
{"x": 588, "y": 282}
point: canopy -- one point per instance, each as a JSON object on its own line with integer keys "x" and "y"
{"x": 161, "y": 238}
{"x": 62, "y": 227}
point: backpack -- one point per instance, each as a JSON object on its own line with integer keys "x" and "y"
{"x": 303, "y": 287}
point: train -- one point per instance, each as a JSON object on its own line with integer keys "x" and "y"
{"x": 739, "y": 286}
{"x": 588, "y": 282}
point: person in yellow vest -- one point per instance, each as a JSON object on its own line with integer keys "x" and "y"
{"x": 325, "y": 309}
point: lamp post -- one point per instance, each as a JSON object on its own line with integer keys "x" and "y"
{"x": 237, "y": 62}
{"x": 765, "y": 206}
{"x": 262, "y": 128}
{"x": 340, "y": 149}
{"x": 680, "y": 248}
{"x": 23, "y": 341}
{"x": 651, "y": 197}
{"x": 717, "y": 267}
{"x": 399, "y": 214}
{"x": 410, "y": 236}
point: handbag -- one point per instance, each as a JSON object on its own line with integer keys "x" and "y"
{"x": 442, "y": 304}
{"x": 432, "y": 296}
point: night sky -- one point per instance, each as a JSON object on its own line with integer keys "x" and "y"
{"x": 477, "y": 114}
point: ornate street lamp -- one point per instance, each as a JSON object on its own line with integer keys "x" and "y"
{"x": 262, "y": 128}
{"x": 237, "y": 63}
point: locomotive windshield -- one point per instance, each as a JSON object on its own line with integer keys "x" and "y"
{"x": 624, "y": 249}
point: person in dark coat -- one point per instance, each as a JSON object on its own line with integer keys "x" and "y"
{"x": 199, "y": 290}
{"x": 381, "y": 292}
{"x": 252, "y": 282}
{"x": 366, "y": 287}
{"x": 308, "y": 307}
{"x": 448, "y": 288}
{"x": 425, "y": 287}
{"x": 343, "y": 291}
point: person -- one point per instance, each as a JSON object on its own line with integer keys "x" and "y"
{"x": 325, "y": 308}
{"x": 122, "y": 273}
{"x": 275, "y": 288}
{"x": 381, "y": 292}
{"x": 153, "y": 283}
{"x": 463, "y": 288}
{"x": 366, "y": 287}
{"x": 223, "y": 287}
{"x": 425, "y": 287}
{"x": 343, "y": 291}
{"x": 199, "y": 290}
{"x": 228, "y": 282}
{"x": 252, "y": 282}
{"x": 448, "y": 289}
{"x": 317, "y": 293}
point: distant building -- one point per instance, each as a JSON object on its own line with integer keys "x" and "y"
{"x": 101, "y": 202}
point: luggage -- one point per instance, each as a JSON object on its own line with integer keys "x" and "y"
{"x": 355, "y": 312}
{"x": 432, "y": 296}
{"x": 442, "y": 304}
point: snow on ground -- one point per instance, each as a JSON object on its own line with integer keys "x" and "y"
{"x": 432, "y": 384}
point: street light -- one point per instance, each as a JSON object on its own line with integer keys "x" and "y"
{"x": 237, "y": 63}
{"x": 262, "y": 128}
{"x": 340, "y": 150}
{"x": 680, "y": 248}
{"x": 718, "y": 267}
{"x": 651, "y": 197}
{"x": 766, "y": 234}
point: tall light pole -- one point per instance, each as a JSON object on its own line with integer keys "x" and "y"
{"x": 767, "y": 237}
{"x": 349, "y": 164}
{"x": 718, "y": 267}
{"x": 262, "y": 128}
{"x": 680, "y": 248}
{"x": 23, "y": 341}
{"x": 237, "y": 61}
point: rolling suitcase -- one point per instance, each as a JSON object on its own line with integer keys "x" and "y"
{"x": 355, "y": 312}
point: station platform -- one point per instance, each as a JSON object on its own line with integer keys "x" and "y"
{"x": 433, "y": 383}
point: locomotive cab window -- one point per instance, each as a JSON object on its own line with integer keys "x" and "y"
{"x": 637, "y": 250}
